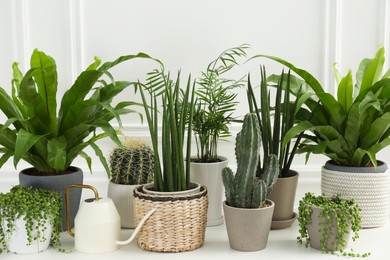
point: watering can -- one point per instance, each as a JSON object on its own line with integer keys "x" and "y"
{"x": 97, "y": 223}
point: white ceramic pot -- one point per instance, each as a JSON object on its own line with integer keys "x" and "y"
{"x": 17, "y": 242}
{"x": 210, "y": 175}
{"x": 122, "y": 196}
{"x": 371, "y": 190}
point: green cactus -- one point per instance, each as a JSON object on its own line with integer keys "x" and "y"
{"x": 132, "y": 164}
{"x": 244, "y": 189}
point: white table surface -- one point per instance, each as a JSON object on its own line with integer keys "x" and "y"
{"x": 281, "y": 245}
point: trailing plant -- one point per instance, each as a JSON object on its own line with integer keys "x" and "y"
{"x": 172, "y": 171}
{"x": 245, "y": 189}
{"x": 48, "y": 139}
{"x": 284, "y": 110}
{"x": 216, "y": 103}
{"x": 132, "y": 164}
{"x": 351, "y": 128}
{"x": 35, "y": 207}
{"x": 347, "y": 215}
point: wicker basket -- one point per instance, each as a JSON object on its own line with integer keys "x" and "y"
{"x": 178, "y": 224}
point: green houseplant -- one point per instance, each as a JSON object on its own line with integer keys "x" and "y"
{"x": 326, "y": 223}
{"x": 130, "y": 165}
{"x": 30, "y": 220}
{"x": 172, "y": 192}
{"x": 350, "y": 130}
{"x": 215, "y": 104}
{"x": 283, "y": 108}
{"x": 246, "y": 193}
{"x": 49, "y": 138}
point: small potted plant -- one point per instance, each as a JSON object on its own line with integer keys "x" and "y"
{"x": 30, "y": 220}
{"x": 350, "y": 129}
{"x": 48, "y": 137}
{"x": 276, "y": 117}
{"x": 130, "y": 165}
{"x": 326, "y": 223}
{"x": 179, "y": 223}
{"x": 213, "y": 113}
{"x": 248, "y": 212}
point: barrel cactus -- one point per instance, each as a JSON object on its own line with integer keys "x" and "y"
{"x": 132, "y": 164}
{"x": 245, "y": 189}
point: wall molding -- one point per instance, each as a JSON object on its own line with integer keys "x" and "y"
{"x": 20, "y": 33}
{"x": 75, "y": 37}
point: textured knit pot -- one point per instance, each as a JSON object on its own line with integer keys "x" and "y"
{"x": 74, "y": 175}
{"x": 369, "y": 186}
{"x": 122, "y": 196}
{"x": 17, "y": 242}
{"x": 283, "y": 195}
{"x": 248, "y": 229}
{"x": 210, "y": 175}
{"x": 316, "y": 236}
{"x": 177, "y": 225}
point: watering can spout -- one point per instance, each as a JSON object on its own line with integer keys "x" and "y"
{"x": 136, "y": 230}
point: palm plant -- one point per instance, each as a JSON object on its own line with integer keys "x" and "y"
{"x": 353, "y": 128}
{"x": 216, "y": 103}
{"x": 171, "y": 172}
{"x": 49, "y": 139}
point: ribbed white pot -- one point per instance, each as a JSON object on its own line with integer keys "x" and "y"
{"x": 122, "y": 196}
{"x": 210, "y": 175}
{"x": 371, "y": 192}
{"x": 17, "y": 242}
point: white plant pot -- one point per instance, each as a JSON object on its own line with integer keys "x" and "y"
{"x": 371, "y": 191}
{"x": 17, "y": 242}
{"x": 210, "y": 175}
{"x": 122, "y": 196}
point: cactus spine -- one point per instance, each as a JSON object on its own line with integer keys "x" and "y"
{"x": 244, "y": 189}
{"x": 132, "y": 164}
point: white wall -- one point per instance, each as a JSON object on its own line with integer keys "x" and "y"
{"x": 187, "y": 35}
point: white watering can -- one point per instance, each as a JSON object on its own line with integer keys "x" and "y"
{"x": 97, "y": 223}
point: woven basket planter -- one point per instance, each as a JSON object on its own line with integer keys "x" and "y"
{"x": 178, "y": 224}
{"x": 371, "y": 192}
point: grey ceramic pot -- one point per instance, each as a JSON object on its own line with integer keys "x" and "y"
{"x": 248, "y": 229}
{"x": 29, "y": 178}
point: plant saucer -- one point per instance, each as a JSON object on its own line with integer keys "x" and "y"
{"x": 281, "y": 224}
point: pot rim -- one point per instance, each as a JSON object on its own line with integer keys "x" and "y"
{"x": 272, "y": 204}
{"x": 223, "y": 160}
{"x": 330, "y": 165}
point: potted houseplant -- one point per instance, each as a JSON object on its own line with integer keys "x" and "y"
{"x": 212, "y": 116}
{"x": 350, "y": 130}
{"x": 248, "y": 212}
{"x": 326, "y": 223}
{"x": 283, "y": 109}
{"x": 50, "y": 139}
{"x": 30, "y": 220}
{"x": 130, "y": 165}
{"x": 179, "y": 223}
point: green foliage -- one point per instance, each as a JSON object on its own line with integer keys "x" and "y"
{"x": 283, "y": 109}
{"x": 49, "y": 139}
{"x": 346, "y": 212}
{"x": 132, "y": 164}
{"x": 244, "y": 189}
{"x": 353, "y": 127}
{"x": 172, "y": 171}
{"x": 216, "y": 103}
{"x": 35, "y": 206}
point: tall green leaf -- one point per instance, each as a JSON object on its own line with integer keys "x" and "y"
{"x": 344, "y": 91}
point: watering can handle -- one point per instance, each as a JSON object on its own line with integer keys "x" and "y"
{"x": 140, "y": 224}
{"x": 67, "y": 201}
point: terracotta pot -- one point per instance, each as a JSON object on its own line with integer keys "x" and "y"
{"x": 210, "y": 175}
{"x": 316, "y": 236}
{"x": 369, "y": 186}
{"x": 122, "y": 196}
{"x": 248, "y": 229}
{"x": 28, "y": 178}
{"x": 283, "y": 195}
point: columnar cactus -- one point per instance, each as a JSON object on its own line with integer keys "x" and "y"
{"x": 244, "y": 189}
{"x": 132, "y": 164}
